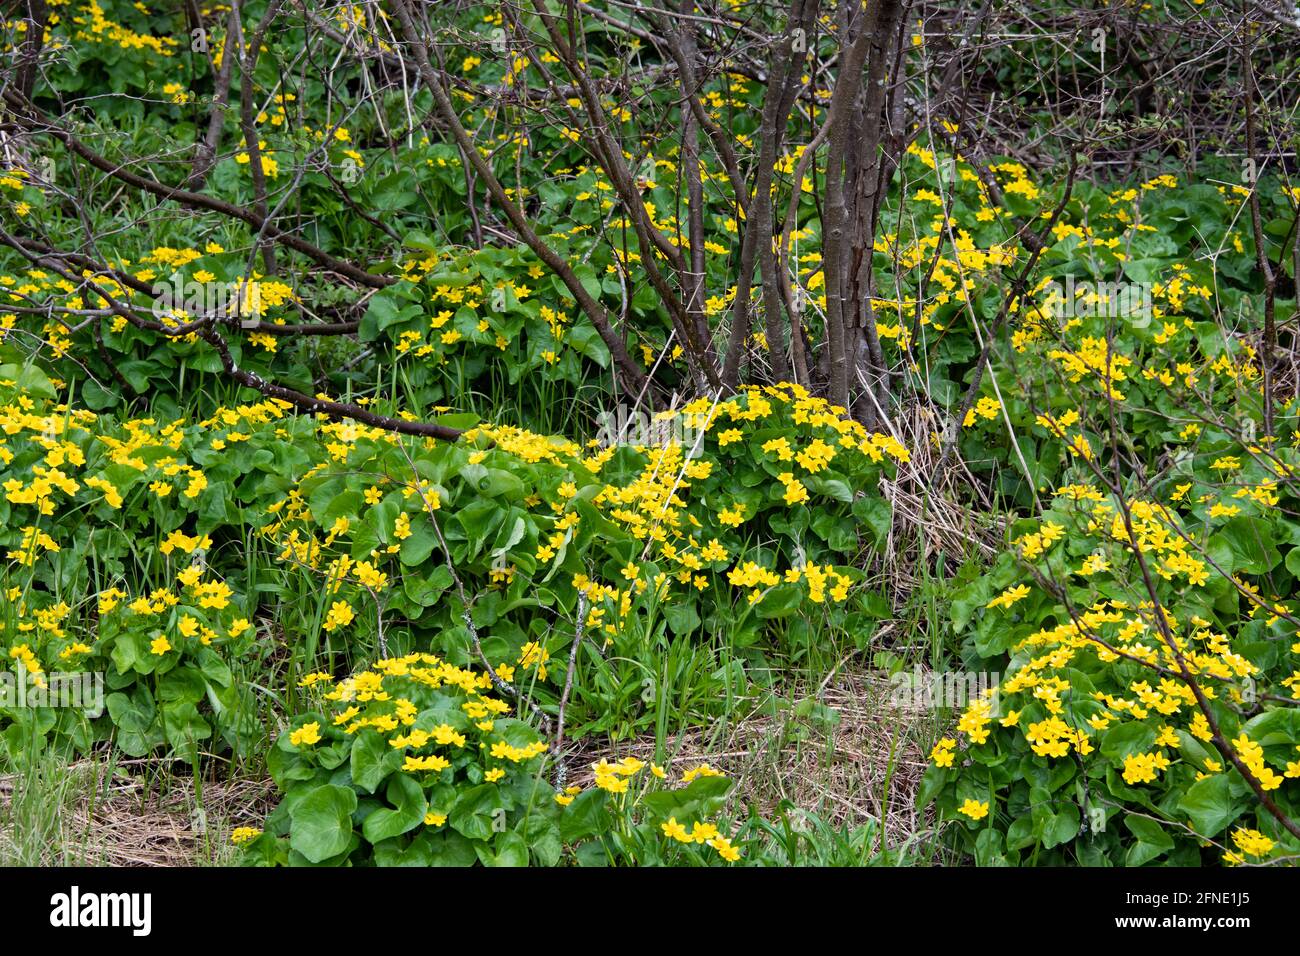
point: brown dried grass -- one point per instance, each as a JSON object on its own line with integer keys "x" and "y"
{"x": 142, "y": 813}
{"x": 836, "y": 770}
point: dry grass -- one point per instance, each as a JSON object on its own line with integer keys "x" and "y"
{"x": 929, "y": 504}
{"x": 131, "y": 813}
{"x": 863, "y": 767}
{"x": 139, "y": 823}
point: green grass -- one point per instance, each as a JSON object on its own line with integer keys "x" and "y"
{"x": 39, "y": 820}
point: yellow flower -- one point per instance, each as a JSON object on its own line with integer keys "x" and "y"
{"x": 1143, "y": 768}
{"x": 1251, "y": 842}
{"x": 340, "y": 615}
{"x": 725, "y": 849}
{"x": 974, "y": 809}
{"x": 675, "y": 830}
{"x": 1010, "y": 596}
{"x": 943, "y": 752}
{"x": 532, "y": 655}
{"x": 703, "y": 770}
{"x": 244, "y": 834}
{"x": 732, "y": 517}
{"x": 306, "y": 734}
{"x": 703, "y": 832}
{"x": 795, "y": 492}
{"x": 434, "y": 764}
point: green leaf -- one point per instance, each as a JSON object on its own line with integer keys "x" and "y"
{"x": 496, "y": 483}
{"x": 585, "y": 817}
{"x": 543, "y": 839}
{"x": 1251, "y": 541}
{"x": 182, "y": 684}
{"x": 479, "y": 519}
{"x": 876, "y": 514}
{"x": 782, "y": 601}
{"x": 1275, "y": 728}
{"x": 510, "y": 850}
{"x": 681, "y": 618}
{"x": 1210, "y": 806}
{"x": 320, "y": 824}
{"x": 1153, "y": 841}
{"x": 1125, "y": 740}
{"x": 584, "y": 338}
{"x": 387, "y": 308}
{"x": 988, "y": 849}
{"x": 408, "y": 799}
{"x": 213, "y": 667}
{"x": 182, "y": 724}
{"x": 372, "y": 760}
{"x": 29, "y": 380}
{"x": 832, "y": 488}
{"x": 700, "y": 799}
{"x": 1063, "y": 827}
{"x": 477, "y": 811}
{"x": 449, "y": 848}
{"x": 392, "y": 853}
{"x": 511, "y": 533}
{"x": 1021, "y": 833}
{"x": 417, "y": 548}
{"x": 425, "y": 590}
{"x": 130, "y": 650}
{"x": 135, "y": 717}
